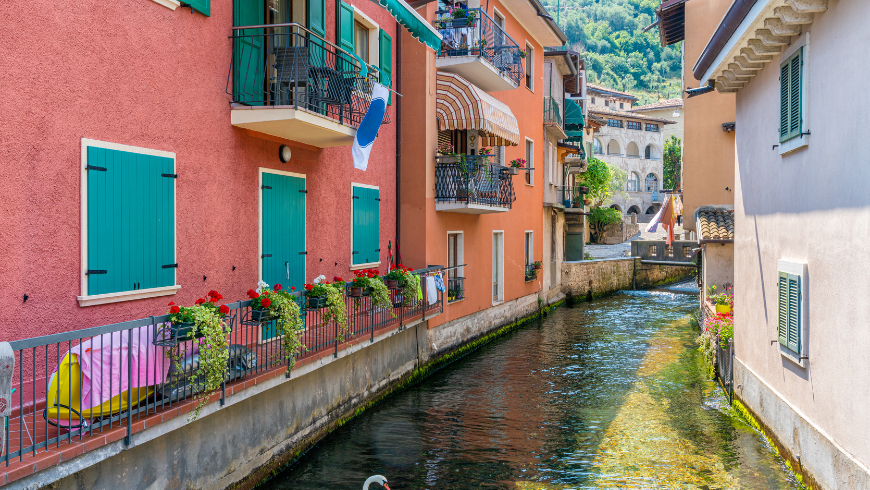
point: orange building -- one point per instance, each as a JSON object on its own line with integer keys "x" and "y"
{"x": 483, "y": 92}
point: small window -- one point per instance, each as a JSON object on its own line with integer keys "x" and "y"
{"x": 652, "y": 127}
{"x": 633, "y": 183}
{"x": 124, "y": 185}
{"x": 455, "y": 274}
{"x": 365, "y": 227}
{"x": 529, "y": 256}
{"x": 633, "y": 125}
{"x": 652, "y": 183}
{"x": 593, "y": 100}
{"x": 790, "y": 89}
{"x": 614, "y": 123}
{"x": 790, "y": 317}
{"x": 606, "y": 103}
{"x": 530, "y": 65}
{"x": 361, "y": 41}
{"x": 530, "y": 155}
{"x": 497, "y": 267}
{"x": 621, "y": 105}
{"x": 648, "y": 152}
{"x": 598, "y": 149}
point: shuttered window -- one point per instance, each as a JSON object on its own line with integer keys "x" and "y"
{"x": 530, "y": 153}
{"x": 789, "y": 294}
{"x": 201, "y": 6}
{"x": 130, "y": 221}
{"x": 445, "y": 138}
{"x": 365, "y": 223}
{"x": 790, "y": 94}
{"x": 530, "y": 63}
{"x": 386, "y": 61}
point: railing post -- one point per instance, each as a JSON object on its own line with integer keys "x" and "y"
{"x": 129, "y": 385}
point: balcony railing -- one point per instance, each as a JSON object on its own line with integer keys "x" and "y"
{"x": 572, "y": 197}
{"x": 455, "y": 289}
{"x": 480, "y": 36}
{"x": 138, "y": 374}
{"x": 552, "y": 111}
{"x": 288, "y": 65}
{"x": 472, "y": 179}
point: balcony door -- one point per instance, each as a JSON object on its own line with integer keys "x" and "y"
{"x": 282, "y": 240}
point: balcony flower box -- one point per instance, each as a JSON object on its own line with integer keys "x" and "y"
{"x": 392, "y": 284}
{"x": 449, "y": 159}
{"x": 316, "y": 302}
{"x": 513, "y": 170}
{"x": 262, "y": 316}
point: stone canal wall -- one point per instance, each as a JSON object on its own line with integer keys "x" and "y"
{"x": 594, "y": 278}
{"x": 263, "y": 427}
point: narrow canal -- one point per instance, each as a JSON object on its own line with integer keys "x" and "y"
{"x": 607, "y": 394}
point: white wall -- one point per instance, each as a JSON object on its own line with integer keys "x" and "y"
{"x": 811, "y": 206}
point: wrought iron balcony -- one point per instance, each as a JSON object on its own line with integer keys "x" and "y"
{"x": 479, "y": 50}
{"x": 572, "y": 197}
{"x": 471, "y": 184}
{"x": 287, "y": 81}
{"x": 553, "y": 120}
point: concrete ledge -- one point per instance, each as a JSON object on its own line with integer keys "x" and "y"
{"x": 595, "y": 278}
{"x": 820, "y": 461}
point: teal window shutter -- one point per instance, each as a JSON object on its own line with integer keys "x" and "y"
{"x": 790, "y": 95}
{"x": 131, "y": 221}
{"x": 248, "y": 52}
{"x": 374, "y": 224}
{"x": 344, "y": 26}
{"x": 366, "y": 225}
{"x": 283, "y": 256}
{"x": 201, "y": 6}
{"x": 386, "y": 61}
{"x": 790, "y": 318}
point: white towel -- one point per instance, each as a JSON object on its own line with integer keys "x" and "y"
{"x": 431, "y": 292}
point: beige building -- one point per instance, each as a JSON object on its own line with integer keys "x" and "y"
{"x": 633, "y": 142}
{"x": 671, "y": 109}
{"x": 802, "y": 219}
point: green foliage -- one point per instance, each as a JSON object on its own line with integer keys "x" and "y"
{"x": 597, "y": 178}
{"x": 672, "y": 161}
{"x": 600, "y": 218}
{"x": 609, "y": 35}
{"x": 285, "y": 307}
{"x": 213, "y": 353}
{"x": 381, "y": 295}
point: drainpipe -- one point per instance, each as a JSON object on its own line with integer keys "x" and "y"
{"x": 398, "y": 137}
{"x": 693, "y": 92}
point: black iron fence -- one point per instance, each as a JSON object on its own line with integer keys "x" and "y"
{"x": 472, "y": 179}
{"x": 471, "y": 32}
{"x": 288, "y": 65}
{"x": 725, "y": 366}
{"x": 455, "y": 289}
{"x": 78, "y": 386}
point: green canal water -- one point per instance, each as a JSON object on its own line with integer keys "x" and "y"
{"x": 606, "y": 394}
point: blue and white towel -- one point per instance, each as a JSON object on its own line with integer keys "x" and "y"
{"x": 369, "y": 127}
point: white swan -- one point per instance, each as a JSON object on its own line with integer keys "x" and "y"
{"x": 376, "y": 479}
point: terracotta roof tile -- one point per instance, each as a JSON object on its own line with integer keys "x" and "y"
{"x": 662, "y": 104}
{"x": 606, "y": 111}
{"x": 715, "y": 223}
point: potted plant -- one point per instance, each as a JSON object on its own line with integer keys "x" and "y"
{"x": 587, "y": 201}
{"x": 260, "y": 303}
{"x": 182, "y": 326}
{"x": 209, "y": 331}
{"x": 470, "y": 15}
{"x": 537, "y": 265}
{"x": 481, "y": 43}
{"x": 393, "y": 279}
{"x": 446, "y": 154}
{"x": 459, "y": 16}
{"x": 583, "y": 189}
{"x": 722, "y": 302}
{"x": 362, "y": 283}
{"x": 516, "y": 165}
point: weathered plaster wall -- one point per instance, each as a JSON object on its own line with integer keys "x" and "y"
{"x": 718, "y": 266}
{"x": 138, "y": 73}
{"x": 708, "y": 152}
{"x": 825, "y": 232}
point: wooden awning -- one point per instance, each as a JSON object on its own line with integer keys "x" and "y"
{"x": 459, "y": 104}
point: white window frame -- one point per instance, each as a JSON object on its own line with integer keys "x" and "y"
{"x": 170, "y": 4}
{"x": 798, "y": 269}
{"x": 100, "y": 299}
{"x": 370, "y": 265}
{"x": 529, "y": 237}
{"x": 261, "y": 171}
{"x": 374, "y": 36}
{"x": 500, "y": 272}
{"x": 460, "y": 258}
{"x": 530, "y": 163}
{"x": 530, "y": 53}
{"x": 803, "y": 141}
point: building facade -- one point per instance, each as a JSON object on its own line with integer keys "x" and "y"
{"x": 799, "y": 363}
{"x": 670, "y": 109}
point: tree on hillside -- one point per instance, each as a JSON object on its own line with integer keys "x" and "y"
{"x": 672, "y": 162}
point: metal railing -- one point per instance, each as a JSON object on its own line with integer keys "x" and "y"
{"x": 472, "y": 179}
{"x": 572, "y": 197}
{"x": 552, "y": 111}
{"x": 480, "y": 36}
{"x": 530, "y": 273}
{"x": 288, "y": 65}
{"x": 725, "y": 366}
{"x": 73, "y": 387}
{"x": 455, "y": 289}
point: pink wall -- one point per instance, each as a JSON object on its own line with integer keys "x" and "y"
{"x": 137, "y": 73}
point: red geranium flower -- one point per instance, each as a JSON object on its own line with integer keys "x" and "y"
{"x": 266, "y": 292}
{"x": 174, "y": 309}
{"x": 309, "y": 287}
{"x": 253, "y": 294}
{"x": 277, "y": 287}
{"x": 224, "y": 309}
{"x": 171, "y": 303}
{"x": 266, "y": 302}
{"x": 215, "y": 296}
{"x": 292, "y": 288}
{"x": 200, "y": 301}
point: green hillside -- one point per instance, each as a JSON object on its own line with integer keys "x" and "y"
{"x": 618, "y": 53}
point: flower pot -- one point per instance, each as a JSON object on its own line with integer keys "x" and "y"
{"x": 368, "y": 291}
{"x": 261, "y": 315}
{"x": 392, "y": 283}
{"x": 587, "y": 201}
{"x": 583, "y": 189}
{"x": 460, "y": 22}
{"x": 723, "y": 309}
{"x": 355, "y": 292}
{"x": 448, "y": 159}
{"x": 317, "y": 302}
{"x": 513, "y": 170}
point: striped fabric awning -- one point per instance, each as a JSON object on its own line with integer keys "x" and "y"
{"x": 461, "y": 105}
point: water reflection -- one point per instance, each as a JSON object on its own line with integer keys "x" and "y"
{"x": 607, "y": 394}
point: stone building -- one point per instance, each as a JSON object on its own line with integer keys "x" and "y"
{"x": 671, "y": 109}
{"x": 633, "y": 142}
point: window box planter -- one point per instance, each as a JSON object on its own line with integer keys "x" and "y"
{"x": 174, "y": 333}
{"x": 513, "y": 170}
{"x": 462, "y": 22}
{"x": 358, "y": 292}
{"x": 262, "y": 316}
{"x": 392, "y": 284}
{"x": 316, "y": 302}
{"x": 448, "y": 159}
{"x": 723, "y": 309}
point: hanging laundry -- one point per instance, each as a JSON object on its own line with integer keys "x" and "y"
{"x": 439, "y": 282}
{"x": 431, "y": 290}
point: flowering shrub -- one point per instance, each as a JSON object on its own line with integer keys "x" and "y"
{"x": 364, "y": 278}
{"x": 407, "y": 281}
{"x": 445, "y": 149}
{"x": 518, "y": 163}
{"x": 721, "y": 325}
{"x": 724, "y": 298}
{"x": 335, "y": 311}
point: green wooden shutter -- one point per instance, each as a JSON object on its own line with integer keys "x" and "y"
{"x": 385, "y": 43}
{"x": 315, "y": 17}
{"x": 248, "y": 59}
{"x": 283, "y": 229}
{"x": 790, "y": 93}
{"x": 359, "y": 242}
{"x": 344, "y": 27}
{"x": 131, "y": 221}
{"x": 374, "y": 224}
{"x": 782, "y": 297}
{"x": 366, "y": 226}
{"x": 789, "y": 324}
{"x": 201, "y": 6}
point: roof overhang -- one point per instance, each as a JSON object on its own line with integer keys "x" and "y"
{"x": 751, "y": 34}
{"x": 672, "y": 21}
{"x": 533, "y": 16}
